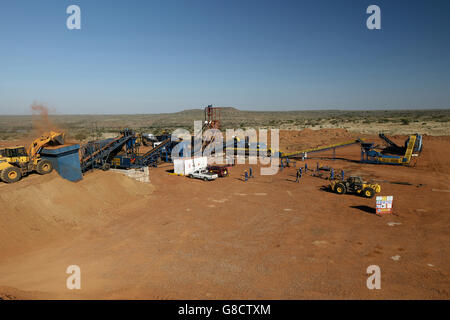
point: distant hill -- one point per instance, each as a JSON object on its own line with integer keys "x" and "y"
{"x": 197, "y": 111}
{"x": 230, "y": 109}
{"x": 189, "y": 111}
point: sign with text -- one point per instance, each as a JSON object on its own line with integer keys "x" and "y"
{"x": 384, "y": 204}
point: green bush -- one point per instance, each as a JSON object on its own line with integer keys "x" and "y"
{"x": 404, "y": 122}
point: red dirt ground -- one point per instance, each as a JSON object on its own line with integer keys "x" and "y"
{"x": 269, "y": 238}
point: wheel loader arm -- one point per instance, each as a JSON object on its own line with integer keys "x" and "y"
{"x": 51, "y": 138}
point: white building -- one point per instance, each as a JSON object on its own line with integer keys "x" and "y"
{"x": 186, "y": 166}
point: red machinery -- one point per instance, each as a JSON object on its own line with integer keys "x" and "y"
{"x": 221, "y": 171}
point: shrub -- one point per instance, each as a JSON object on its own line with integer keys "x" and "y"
{"x": 404, "y": 122}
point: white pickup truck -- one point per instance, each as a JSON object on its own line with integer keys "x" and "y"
{"x": 203, "y": 174}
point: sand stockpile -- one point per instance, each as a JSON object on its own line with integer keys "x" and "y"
{"x": 39, "y": 209}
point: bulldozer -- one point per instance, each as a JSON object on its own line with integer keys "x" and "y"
{"x": 16, "y": 162}
{"x": 355, "y": 184}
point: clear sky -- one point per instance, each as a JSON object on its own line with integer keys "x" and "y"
{"x": 163, "y": 56}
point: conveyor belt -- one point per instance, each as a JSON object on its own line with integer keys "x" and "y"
{"x": 320, "y": 149}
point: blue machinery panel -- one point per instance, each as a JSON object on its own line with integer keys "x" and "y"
{"x": 65, "y": 160}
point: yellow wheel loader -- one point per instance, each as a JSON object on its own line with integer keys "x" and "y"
{"x": 15, "y": 162}
{"x": 355, "y": 185}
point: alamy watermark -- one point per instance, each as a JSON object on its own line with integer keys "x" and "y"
{"x": 74, "y": 280}
{"x": 374, "y": 20}
{"x": 374, "y": 280}
{"x": 240, "y": 144}
{"x": 73, "y": 22}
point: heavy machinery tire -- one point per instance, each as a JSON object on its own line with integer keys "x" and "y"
{"x": 205, "y": 179}
{"x": 190, "y": 176}
{"x": 106, "y": 166}
{"x": 11, "y": 174}
{"x": 340, "y": 188}
{"x": 368, "y": 193}
{"x": 44, "y": 167}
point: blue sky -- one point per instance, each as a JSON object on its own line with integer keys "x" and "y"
{"x": 165, "y": 56}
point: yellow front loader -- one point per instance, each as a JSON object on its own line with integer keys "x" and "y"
{"x": 16, "y": 162}
{"x": 356, "y": 185}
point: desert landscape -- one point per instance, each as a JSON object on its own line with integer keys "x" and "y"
{"x": 224, "y": 159}
{"x": 265, "y": 238}
{"x": 88, "y": 127}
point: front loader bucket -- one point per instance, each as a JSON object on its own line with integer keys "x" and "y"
{"x": 58, "y": 139}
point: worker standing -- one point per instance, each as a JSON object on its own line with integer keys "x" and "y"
{"x": 332, "y": 174}
{"x": 287, "y": 162}
{"x": 250, "y": 172}
{"x": 306, "y": 167}
{"x": 282, "y": 164}
{"x": 298, "y": 176}
{"x": 342, "y": 174}
{"x": 245, "y": 175}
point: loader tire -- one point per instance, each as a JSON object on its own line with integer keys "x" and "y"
{"x": 44, "y": 167}
{"x": 340, "y": 188}
{"x": 106, "y": 166}
{"x": 368, "y": 193}
{"x": 11, "y": 174}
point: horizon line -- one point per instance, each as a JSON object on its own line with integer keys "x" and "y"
{"x": 243, "y": 110}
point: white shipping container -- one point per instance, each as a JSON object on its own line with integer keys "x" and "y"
{"x": 178, "y": 166}
{"x": 188, "y": 166}
{"x": 183, "y": 166}
{"x": 200, "y": 163}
